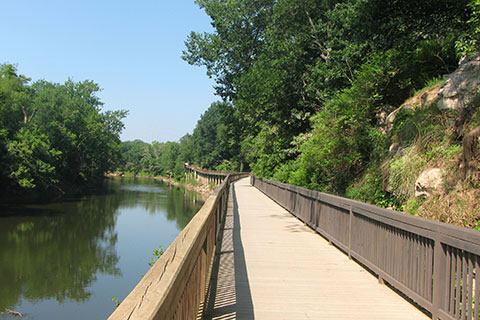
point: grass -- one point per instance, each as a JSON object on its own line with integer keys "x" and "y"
{"x": 430, "y": 84}
{"x": 459, "y": 207}
{"x": 403, "y": 172}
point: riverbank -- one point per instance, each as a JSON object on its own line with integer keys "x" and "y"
{"x": 12, "y": 193}
{"x": 204, "y": 189}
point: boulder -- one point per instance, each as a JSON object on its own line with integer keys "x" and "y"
{"x": 430, "y": 181}
{"x": 461, "y": 86}
{"x": 391, "y": 118}
{"x": 394, "y": 147}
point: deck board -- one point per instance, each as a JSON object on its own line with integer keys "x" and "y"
{"x": 271, "y": 266}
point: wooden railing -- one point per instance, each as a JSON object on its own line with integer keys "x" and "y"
{"x": 215, "y": 177}
{"x": 175, "y": 287}
{"x": 436, "y": 265}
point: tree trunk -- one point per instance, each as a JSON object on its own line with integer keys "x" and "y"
{"x": 469, "y": 155}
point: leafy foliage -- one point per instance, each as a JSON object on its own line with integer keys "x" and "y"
{"x": 54, "y": 136}
{"x": 216, "y": 136}
{"x": 469, "y": 42}
{"x": 308, "y": 78}
{"x": 371, "y": 188}
{"x": 230, "y": 51}
{"x": 311, "y": 83}
{"x": 157, "y": 253}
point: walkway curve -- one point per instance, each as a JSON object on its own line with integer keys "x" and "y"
{"x": 270, "y": 266}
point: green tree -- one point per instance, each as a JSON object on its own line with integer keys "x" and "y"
{"x": 132, "y": 153}
{"x": 237, "y": 40}
{"x": 469, "y": 42}
{"x": 54, "y": 136}
{"x": 32, "y": 160}
{"x": 168, "y": 158}
{"x": 88, "y": 139}
{"x": 217, "y": 137}
{"x": 185, "y": 155}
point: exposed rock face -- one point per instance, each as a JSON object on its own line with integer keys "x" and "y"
{"x": 391, "y": 118}
{"x": 423, "y": 98}
{"x": 394, "y": 147}
{"x": 420, "y": 101}
{"x": 457, "y": 91}
{"x": 429, "y": 182}
{"x": 461, "y": 86}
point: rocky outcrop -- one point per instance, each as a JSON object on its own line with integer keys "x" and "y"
{"x": 391, "y": 118}
{"x": 454, "y": 94}
{"x": 423, "y": 98}
{"x": 429, "y": 182}
{"x": 461, "y": 86}
{"x": 419, "y": 101}
{"x": 393, "y": 150}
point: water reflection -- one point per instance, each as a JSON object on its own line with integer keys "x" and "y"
{"x": 155, "y": 196}
{"x": 57, "y": 251}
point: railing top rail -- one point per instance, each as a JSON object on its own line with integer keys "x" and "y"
{"x": 212, "y": 172}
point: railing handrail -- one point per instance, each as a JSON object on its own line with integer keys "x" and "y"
{"x": 175, "y": 286}
{"x": 213, "y": 172}
{"x": 435, "y": 264}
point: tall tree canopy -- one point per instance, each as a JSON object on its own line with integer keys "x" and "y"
{"x": 231, "y": 50}
{"x": 309, "y": 75}
{"x": 54, "y": 136}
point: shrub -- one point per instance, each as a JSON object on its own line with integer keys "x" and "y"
{"x": 370, "y": 188}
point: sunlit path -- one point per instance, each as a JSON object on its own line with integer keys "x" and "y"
{"x": 271, "y": 266}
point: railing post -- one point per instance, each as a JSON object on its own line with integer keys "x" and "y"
{"x": 439, "y": 285}
{"x": 312, "y": 211}
{"x": 217, "y": 223}
{"x": 350, "y": 233}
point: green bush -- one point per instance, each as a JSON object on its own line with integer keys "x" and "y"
{"x": 370, "y": 188}
{"x": 412, "y": 207}
{"x": 469, "y": 42}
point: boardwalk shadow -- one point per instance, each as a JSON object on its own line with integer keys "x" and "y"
{"x": 296, "y": 228}
{"x": 229, "y": 296}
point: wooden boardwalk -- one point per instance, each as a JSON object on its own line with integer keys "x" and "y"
{"x": 270, "y": 266}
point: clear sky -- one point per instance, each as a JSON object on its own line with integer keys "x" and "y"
{"x": 132, "y": 49}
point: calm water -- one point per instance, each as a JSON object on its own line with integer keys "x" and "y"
{"x": 67, "y": 260}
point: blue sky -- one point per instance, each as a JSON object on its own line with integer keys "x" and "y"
{"x": 131, "y": 49}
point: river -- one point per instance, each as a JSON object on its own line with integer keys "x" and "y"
{"x": 68, "y": 259}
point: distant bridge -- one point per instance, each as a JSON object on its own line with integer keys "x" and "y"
{"x": 307, "y": 255}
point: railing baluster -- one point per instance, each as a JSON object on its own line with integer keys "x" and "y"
{"x": 464, "y": 284}
{"x": 439, "y": 277}
{"x": 476, "y": 306}
{"x": 350, "y": 222}
{"x": 448, "y": 275}
{"x": 468, "y": 303}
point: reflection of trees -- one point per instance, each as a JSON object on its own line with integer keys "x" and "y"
{"x": 56, "y": 257}
{"x": 182, "y": 205}
{"x": 55, "y": 250}
{"x": 156, "y": 196}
